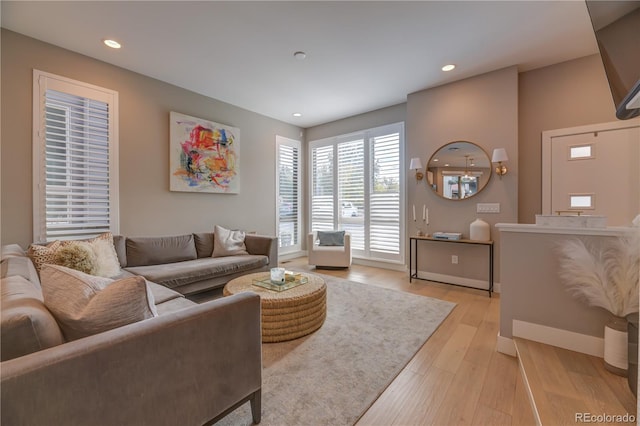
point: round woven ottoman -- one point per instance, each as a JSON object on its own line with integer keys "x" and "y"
{"x": 288, "y": 314}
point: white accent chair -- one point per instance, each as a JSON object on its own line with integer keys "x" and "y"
{"x": 329, "y": 256}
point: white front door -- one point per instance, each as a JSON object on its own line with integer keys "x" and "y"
{"x": 594, "y": 170}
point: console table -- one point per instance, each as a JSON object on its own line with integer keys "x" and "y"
{"x": 413, "y": 257}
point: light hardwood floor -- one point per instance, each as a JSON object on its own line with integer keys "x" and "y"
{"x": 457, "y": 377}
{"x": 567, "y": 384}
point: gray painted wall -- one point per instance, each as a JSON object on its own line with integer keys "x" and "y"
{"x": 483, "y": 110}
{"x": 533, "y": 292}
{"x": 147, "y": 207}
{"x": 569, "y": 94}
{"x": 369, "y": 120}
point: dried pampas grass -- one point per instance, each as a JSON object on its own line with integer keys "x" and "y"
{"x": 606, "y": 275}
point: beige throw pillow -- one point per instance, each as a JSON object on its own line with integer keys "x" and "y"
{"x": 227, "y": 242}
{"x": 42, "y": 255}
{"x": 84, "y": 304}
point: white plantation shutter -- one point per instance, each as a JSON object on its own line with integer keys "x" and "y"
{"x": 351, "y": 190}
{"x": 75, "y": 170}
{"x": 361, "y": 190}
{"x": 322, "y": 188}
{"x": 288, "y": 190}
{"x": 384, "y": 205}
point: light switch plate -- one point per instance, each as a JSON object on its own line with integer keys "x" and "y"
{"x": 488, "y": 208}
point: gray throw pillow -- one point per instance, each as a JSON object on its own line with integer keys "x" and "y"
{"x": 331, "y": 238}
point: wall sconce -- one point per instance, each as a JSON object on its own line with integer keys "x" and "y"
{"x": 416, "y": 165}
{"x": 500, "y": 155}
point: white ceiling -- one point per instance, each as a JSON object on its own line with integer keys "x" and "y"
{"x": 361, "y": 55}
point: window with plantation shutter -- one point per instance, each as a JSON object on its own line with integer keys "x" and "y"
{"x": 384, "y": 204}
{"x": 75, "y": 159}
{"x": 351, "y": 190}
{"x": 288, "y": 190}
{"x": 357, "y": 186}
{"x": 322, "y": 185}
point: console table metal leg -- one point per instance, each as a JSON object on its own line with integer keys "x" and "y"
{"x": 413, "y": 252}
{"x": 410, "y": 259}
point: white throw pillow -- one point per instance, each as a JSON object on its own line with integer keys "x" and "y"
{"x": 227, "y": 242}
{"x": 84, "y": 304}
{"x": 107, "y": 264}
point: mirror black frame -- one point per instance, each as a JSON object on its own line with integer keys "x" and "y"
{"x": 466, "y": 164}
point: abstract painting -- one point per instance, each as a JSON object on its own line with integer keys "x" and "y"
{"x": 204, "y": 155}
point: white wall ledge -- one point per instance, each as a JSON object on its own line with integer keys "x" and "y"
{"x": 610, "y": 231}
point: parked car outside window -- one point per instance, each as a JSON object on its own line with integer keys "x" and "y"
{"x": 348, "y": 209}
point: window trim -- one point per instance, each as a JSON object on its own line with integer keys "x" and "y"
{"x": 41, "y": 82}
{"x": 281, "y": 140}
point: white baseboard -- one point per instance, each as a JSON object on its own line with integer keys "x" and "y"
{"x": 380, "y": 264}
{"x": 384, "y": 264}
{"x": 452, "y": 279}
{"x": 506, "y": 346}
{"x": 565, "y": 339}
{"x": 291, "y": 256}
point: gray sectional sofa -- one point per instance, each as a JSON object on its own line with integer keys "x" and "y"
{"x": 190, "y": 365}
{"x": 184, "y": 263}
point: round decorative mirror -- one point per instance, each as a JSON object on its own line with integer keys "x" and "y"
{"x": 459, "y": 170}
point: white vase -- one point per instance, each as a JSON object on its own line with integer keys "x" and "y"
{"x": 616, "y": 343}
{"x": 479, "y": 230}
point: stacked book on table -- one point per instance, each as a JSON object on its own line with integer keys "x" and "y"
{"x": 292, "y": 276}
{"x": 447, "y": 235}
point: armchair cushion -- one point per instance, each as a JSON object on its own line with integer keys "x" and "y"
{"x": 331, "y": 238}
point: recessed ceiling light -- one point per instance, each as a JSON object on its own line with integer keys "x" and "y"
{"x": 448, "y": 67}
{"x": 112, "y": 43}
{"x": 435, "y": 159}
{"x": 297, "y": 114}
{"x": 300, "y": 55}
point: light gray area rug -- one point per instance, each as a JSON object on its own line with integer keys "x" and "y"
{"x": 332, "y": 376}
